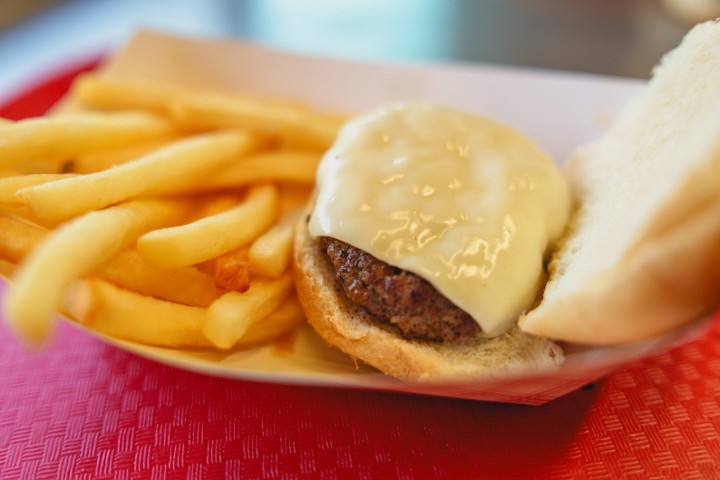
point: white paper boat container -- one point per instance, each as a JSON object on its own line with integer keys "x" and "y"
{"x": 558, "y": 110}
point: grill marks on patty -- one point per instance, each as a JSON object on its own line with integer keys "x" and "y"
{"x": 397, "y": 297}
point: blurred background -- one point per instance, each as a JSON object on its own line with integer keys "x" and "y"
{"x": 610, "y": 37}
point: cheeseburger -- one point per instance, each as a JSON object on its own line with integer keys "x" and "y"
{"x": 432, "y": 227}
{"x": 443, "y": 245}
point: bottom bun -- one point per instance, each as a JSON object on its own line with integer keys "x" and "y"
{"x": 350, "y": 328}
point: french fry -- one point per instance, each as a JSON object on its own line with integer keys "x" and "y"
{"x": 231, "y": 270}
{"x": 211, "y": 110}
{"x": 24, "y": 212}
{"x": 121, "y": 94}
{"x": 283, "y": 319}
{"x": 294, "y": 195}
{"x": 72, "y": 251}
{"x": 185, "y": 285}
{"x": 9, "y": 172}
{"x": 64, "y": 136}
{"x": 120, "y": 313}
{"x": 173, "y": 165}
{"x": 214, "y": 235}
{"x": 271, "y": 166}
{"x": 230, "y": 316}
{"x": 270, "y": 253}
{"x": 300, "y": 127}
{"x": 18, "y": 238}
{"x": 40, "y": 165}
{"x": 7, "y": 268}
{"x": 97, "y": 161}
{"x": 10, "y": 185}
{"x": 141, "y": 229}
{"x": 215, "y": 204}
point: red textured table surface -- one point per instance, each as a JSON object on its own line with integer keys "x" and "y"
{"x": 83, "y": 409}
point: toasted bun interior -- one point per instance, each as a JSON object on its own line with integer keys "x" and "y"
{"x": 643, "y": 252}
{"x": 351, "y": 329}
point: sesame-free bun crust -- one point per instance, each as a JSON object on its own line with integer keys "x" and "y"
{"x": 350, "y": 328}
{"x": 642, "y": 255}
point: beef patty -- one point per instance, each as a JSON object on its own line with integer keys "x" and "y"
{"x": 397, "y": 297}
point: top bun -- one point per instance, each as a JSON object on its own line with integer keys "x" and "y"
{"x": 642, "y": 254}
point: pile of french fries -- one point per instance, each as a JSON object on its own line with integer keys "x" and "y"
{"x": 156, "y": 213}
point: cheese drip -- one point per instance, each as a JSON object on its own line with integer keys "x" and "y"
{"x": 465, "y": 203}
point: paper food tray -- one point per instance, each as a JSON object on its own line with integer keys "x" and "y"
{"x": 557, "y": 110}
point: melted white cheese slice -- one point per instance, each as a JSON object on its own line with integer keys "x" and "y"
{"x": 467, "y": 204}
